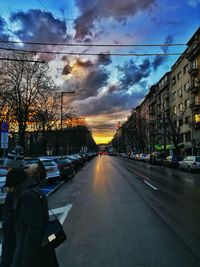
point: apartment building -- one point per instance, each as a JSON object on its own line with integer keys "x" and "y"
{"x": 180, "y": 103}
{"x": 193, "y": 56}
{"x": 162, "y": 112}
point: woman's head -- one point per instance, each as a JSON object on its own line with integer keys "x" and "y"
{"x": 33, "y": 171}
{"x": 15, "y": 177}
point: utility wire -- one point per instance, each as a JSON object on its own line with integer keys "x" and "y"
{"x": 89, "y": 54}
{"x": 22, "y": 60}
{"x": 90, "y": 45}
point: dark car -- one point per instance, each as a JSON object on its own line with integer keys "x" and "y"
{"x": 65, "y": 166}
{"x": 172, "y": 161}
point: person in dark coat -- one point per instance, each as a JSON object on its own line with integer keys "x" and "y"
{"x": 15, "y": 159}
{"x": 31, "y": 216}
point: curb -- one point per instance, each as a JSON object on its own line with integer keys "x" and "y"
{"x": 55, "y": 189}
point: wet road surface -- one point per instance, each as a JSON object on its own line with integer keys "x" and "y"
{"x": 127, "y": 213}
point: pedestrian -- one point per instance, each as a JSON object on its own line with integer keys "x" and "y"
{"x": 30, "y": 218}
{"x": 15, "y": 159}
{"x": 34, "y": 172}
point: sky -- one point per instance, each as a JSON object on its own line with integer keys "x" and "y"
{"x": 107, "y": 86}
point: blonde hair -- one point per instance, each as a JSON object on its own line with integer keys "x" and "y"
{"x": 33, "y": 171}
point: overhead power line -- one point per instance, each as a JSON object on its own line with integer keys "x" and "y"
{"x": 89, "y": 54}
{"x": 90, "y": 45}
{"x": 22, "y": 60}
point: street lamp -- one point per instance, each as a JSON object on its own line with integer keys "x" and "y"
{"x": 61, "y": 106}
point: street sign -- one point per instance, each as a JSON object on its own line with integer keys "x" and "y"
{"x": 4, "y": 135}
{"x": 4, "y": 127}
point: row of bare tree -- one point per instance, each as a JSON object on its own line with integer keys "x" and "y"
{"x": 29, "y": 99}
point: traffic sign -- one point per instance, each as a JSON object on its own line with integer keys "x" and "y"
{"x": 4, "y": 134}
{"x": 4, "y": 127}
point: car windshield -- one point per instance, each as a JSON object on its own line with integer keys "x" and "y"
{"x": 48, "y": 163}
{"x": 197, "y": 159}
{"x": 62, "y": 161}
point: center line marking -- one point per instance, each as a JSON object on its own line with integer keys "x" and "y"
{"x": 150, "y": 185}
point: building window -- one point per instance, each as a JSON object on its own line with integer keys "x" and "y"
{"x": 174, "y": 95}
{"x": 174, "y": 109}
{"x": 179, "y": 75}
{"x": 180, "y": 138}
{"x": 180, "y": 92}
{"x": 187, "y": 137}
{"x": 180, "y": 106}
{"x": 187, "y": 120}
{"x": 187, "y": 103}
{"x": 185, "y": 69}
{"x": 194, "y": 64}
{"x": 173, "y": 80}
{"x": 186, "y": 86}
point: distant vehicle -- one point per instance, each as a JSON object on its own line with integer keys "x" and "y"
{"x": 147, "y": 158}
{"x": 65, "y": 166}
{"x": 158, "y": 158}
{"x": 133, "y": 155}
{"x": 142, "y": 157}
{"x": 172, "y": 161}
{"x": 52, "y": 169}
{"x": 190, "y": 163}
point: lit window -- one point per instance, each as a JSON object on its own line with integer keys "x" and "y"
{"x": 197, "y": 118}
{"x": 174, "y": 109}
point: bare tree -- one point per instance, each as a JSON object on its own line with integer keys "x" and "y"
{"x": 22, "y": 83}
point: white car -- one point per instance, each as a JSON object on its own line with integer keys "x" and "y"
{"x": 3, "y": 173}
{"x": 190, "y": 163}
{"x": 52, "y": 169}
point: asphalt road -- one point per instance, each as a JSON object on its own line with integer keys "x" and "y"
{"x": 127, "y": 213}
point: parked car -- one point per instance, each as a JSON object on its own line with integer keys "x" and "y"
{"x": 158, "y": 158}
{"x": 65, "y": 166}
{"x": 172, "y": 161}
{"x": 43, "y": 172}
{"x": 52, "y": 169}
{"x": 142, "y": 156}
{"x": 133, "y": 155}
{"x": 3, "y": 173}
{"x": 147, "y": 158}
{"x": 77, "y": 162}
{"x": 190, "y": 163}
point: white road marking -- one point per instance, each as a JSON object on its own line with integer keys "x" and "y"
{"x": 150, "y": 185}
{"x": 61, "y": 212}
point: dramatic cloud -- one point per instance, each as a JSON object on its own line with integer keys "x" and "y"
{"x": 3, "y": 34}
{"x": 109, "y": 103}
{"x": 104, "y": 9}
{"x": 159, "y": 60}
{"x": 132, "y": 74}
{"x": 39, "y": 26}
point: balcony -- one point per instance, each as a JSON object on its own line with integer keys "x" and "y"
{"x": 194, "y": 89}
{"x": 166, "y": 95}
{"x": 195, "y": 106}
{"x": 193, "y": 70}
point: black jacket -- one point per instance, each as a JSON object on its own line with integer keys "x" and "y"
{"x": 31, "y": 215}
{"x": 8, "y": 244}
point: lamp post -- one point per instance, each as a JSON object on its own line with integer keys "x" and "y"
{"x": 61, "y": 106}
